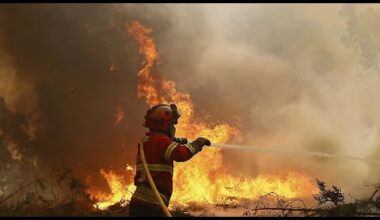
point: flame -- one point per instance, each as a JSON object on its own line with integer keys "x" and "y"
{"x": 203, "y": 179}
{"x": 120, "y": 190}
{"x": 156, "y": 91}
{"x": 200, "y": 187}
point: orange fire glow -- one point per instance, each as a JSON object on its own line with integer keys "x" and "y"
{"x": 203, "y": 179}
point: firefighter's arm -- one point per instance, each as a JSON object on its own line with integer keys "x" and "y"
{"x": 182, "y": 152}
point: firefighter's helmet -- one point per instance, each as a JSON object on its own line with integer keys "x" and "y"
{"x": 161, "y": 117}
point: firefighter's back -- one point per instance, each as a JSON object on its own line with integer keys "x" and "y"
{"x": 161, "y": 170}
{"x": 161, "y": 148}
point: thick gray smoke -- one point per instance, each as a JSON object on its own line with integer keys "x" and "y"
{"x": 300, "y": 77}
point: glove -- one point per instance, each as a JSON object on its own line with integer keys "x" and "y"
{"x": 204, "y": 141}
{"x": 180, "y": 140}
{"x": 199, "y": 143}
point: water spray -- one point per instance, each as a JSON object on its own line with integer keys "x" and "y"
{"x": 292, "y": 152}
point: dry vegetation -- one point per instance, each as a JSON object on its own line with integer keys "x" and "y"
{"x": 330, "y": 202}
{"x": 63, "y": 194}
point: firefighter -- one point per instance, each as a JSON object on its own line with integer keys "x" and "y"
{"x": 161, "y": 148}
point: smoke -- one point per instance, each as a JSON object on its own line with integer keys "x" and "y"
{"x": 57, "y": 71}
{"x": 299, "y": 77}
{"x": 298, "y": 82}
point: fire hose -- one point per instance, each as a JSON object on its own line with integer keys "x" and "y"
{"x": 151, "y": 182}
